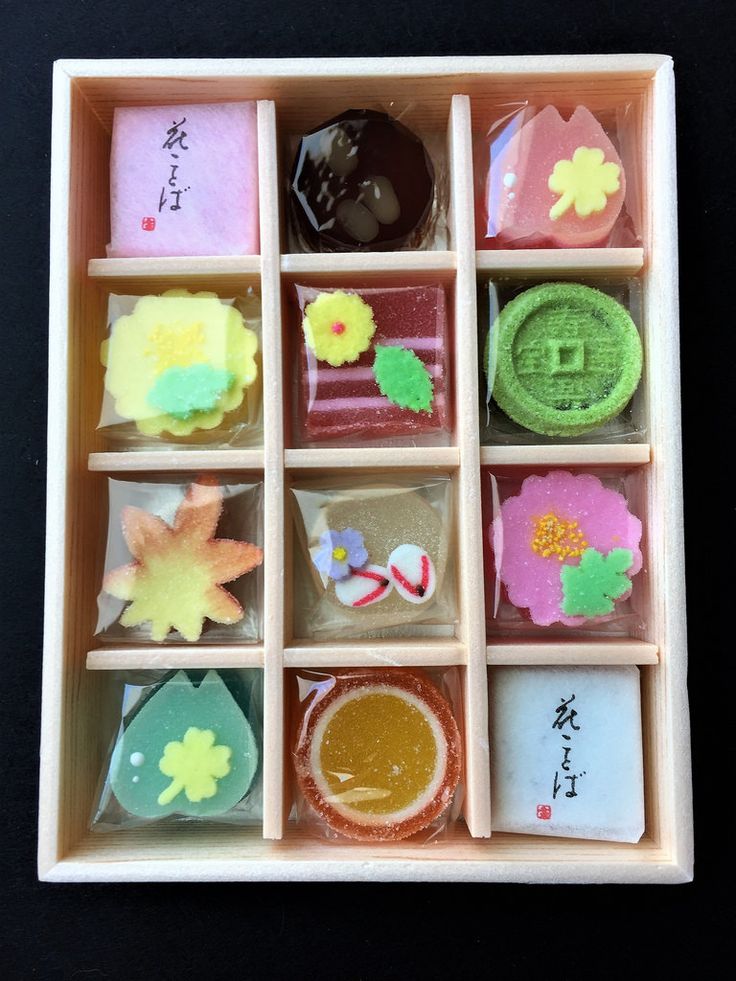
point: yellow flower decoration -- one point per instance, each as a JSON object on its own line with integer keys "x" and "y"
{"x": 179, "y": 362}
{"x": 195, "y": 765}
{"x": 585, "y": 181}
{"x": 338, "y": 327}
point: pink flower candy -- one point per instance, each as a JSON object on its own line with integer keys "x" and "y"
{"x": 549, "y": 524}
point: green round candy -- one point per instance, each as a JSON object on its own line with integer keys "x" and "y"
{"x": 565, "y": 359}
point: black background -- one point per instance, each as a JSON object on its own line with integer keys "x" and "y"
{"x": 248, "y": 931}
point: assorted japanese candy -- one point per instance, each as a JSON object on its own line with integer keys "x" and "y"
{"x": 182, "y": 562}
{"x": 550, "y": 177}
{"x": 362, "y": 181}
{"x": 374, "y": 364}
{"x": 188, "y": 746}
{"x": 183, "y": 368}
{"x": 566, "y": 752}
{"x": 377, "y": 753}
{"x": 561, "y": 360}
{"x": 565, "y": 550}
{"x": 184, "y": 181}
{"x": 373, "y": 557}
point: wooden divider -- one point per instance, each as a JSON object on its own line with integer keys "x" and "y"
{"x": 273, "y": 454}
{"x": 470, "y": 557}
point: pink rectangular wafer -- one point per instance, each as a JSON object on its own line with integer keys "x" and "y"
{"x": 184, "y": 181}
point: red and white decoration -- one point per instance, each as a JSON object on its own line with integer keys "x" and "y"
{"x": 412, "y": 573}
{"x": 363, "y": 587}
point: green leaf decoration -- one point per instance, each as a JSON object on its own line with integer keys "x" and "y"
{"x": 156, "y": 766}
{"x": 590, "y": 588}
{"x": 181, "y": 392}
{"x": 403, "y": 378}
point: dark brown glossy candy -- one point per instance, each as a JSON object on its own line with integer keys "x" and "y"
{"x": 361, "y": 182}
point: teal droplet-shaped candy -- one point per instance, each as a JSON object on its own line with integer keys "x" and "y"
{"x": 176, "y": 708}
{"x": 181, "y": 392}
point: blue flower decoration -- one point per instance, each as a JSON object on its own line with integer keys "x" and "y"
{"x": 340, "y": 552}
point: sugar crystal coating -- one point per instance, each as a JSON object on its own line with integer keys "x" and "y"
{"x": 563, "y": 359}
{"x": 348, "y": 401}
{"x": 175, "y": 579}
{"x": 546, "y": 530}
{"x": 179, "y": 362}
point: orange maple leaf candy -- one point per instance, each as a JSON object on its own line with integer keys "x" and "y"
{"x": 175, "y": 582}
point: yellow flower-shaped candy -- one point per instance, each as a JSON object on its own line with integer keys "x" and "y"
{"x": 195, "y": 765}
{"x": 338, "y": 327}
{"x": 190, "y": 351}
{"x": 585, "y": 182}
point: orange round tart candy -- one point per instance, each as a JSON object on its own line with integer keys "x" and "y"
{"x": 378, "y": 757}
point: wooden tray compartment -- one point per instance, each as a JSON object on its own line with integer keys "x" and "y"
{"x": 453, "y": 94}
{"x": 375, "y": 276}
{"x": 429, "y": 119}
{"x": 633, "y": 620}
{"x": 632, "y": 432}
{"x": 359, "y": 471}
{"x": 503, "y": 95}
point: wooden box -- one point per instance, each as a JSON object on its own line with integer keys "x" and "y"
{"x": 450, "y": 96}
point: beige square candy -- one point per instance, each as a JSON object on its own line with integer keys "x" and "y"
{"x": 406, "y": 537}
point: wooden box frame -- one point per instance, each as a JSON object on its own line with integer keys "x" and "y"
{"x": 449, "y": 94}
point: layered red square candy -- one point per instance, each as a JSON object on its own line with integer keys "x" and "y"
{"x": 373, "y": 363}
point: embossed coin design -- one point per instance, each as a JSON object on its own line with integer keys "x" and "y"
{"x": 563, "y": 358}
